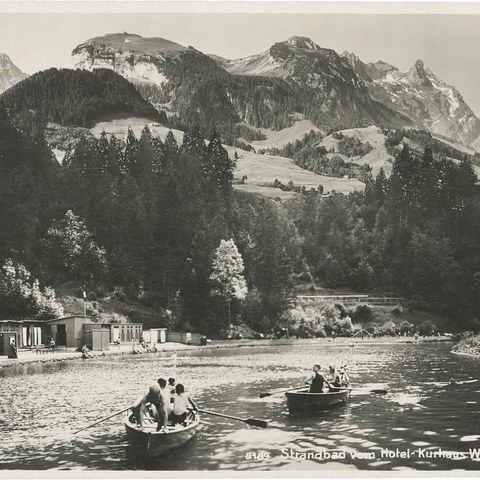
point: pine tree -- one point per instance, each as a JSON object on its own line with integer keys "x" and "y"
{"x": 103, "y": 152}
{"x": 171, "y": 144}
{"x": 193, "y": 142}
{"x": 218, "y": 166}
{"x": 130, "y": 156}
{"x": 115, "y": 157}
{"x": 143, "y": 167}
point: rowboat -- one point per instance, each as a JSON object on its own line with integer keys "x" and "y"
{"x": 301, "y": 401}
{"x": 149, "y": 442}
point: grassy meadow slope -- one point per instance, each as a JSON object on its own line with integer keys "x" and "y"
{"x": 377, "y": 158}
{"x": 261, "y": 170}
{"x": 279, "y": 138}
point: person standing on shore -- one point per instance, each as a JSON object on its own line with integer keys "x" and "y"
{"x": 52, "y": 345}
{"x": 13, "y": 349}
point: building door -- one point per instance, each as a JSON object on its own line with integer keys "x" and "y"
{"x": 61, "y": 335}
{"x": 5, "y": 340}
{"x": 116, "y": 334}
{"x": 162, "y": 335}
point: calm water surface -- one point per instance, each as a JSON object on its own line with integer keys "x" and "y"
{"x": 421, "y": 421}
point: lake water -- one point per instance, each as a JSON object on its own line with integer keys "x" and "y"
{"x": 423, "y": 423}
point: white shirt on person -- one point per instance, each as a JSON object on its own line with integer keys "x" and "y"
{"x": 180, "y": 403}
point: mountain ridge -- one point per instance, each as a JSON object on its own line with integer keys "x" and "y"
{"x": 10, "y": 74}
{"x": 292, "y": 76}
{"x": 422, "y": 96}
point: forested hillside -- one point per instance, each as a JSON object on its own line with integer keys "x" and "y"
{"x": 74, "y": 97}
{"x": 143, "y": 219}
{"x": 159, "y": 222}
{"x": 414, "y": 234}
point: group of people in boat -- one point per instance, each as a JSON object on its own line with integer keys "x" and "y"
{"x": 339, "y": 379}
{"x": 166, "y": 402}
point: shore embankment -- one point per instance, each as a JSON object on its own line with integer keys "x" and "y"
{"x": 468, "y": 346}
{"x": 26, "y": 357}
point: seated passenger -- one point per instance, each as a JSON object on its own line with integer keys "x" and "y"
{"x": 344, "y": 377}
{"x": 180, "y": 404}
{"x": 171, "y": 387}
{"x": 336, "y": 381}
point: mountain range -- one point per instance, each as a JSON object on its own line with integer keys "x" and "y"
{"x": 297, "y": 75}
{"x": 273, "y": 89}
{"x": 420, "y": 95}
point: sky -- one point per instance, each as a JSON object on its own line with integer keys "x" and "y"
{"x": 41, "y": 35}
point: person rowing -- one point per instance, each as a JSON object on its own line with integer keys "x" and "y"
{"x": 152, "y": 396}
{"x": 316, "y": 381}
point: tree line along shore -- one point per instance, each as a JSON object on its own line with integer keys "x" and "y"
{"x": 159, "y": 223}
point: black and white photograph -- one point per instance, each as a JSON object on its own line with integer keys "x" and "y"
{"x": 239, "y": 239}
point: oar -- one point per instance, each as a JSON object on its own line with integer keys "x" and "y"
{"x": 376, "y": 391}
{"x": 102, "y": 420}
{"x": 249, "y": 421}
{"x": 268, "y": 394}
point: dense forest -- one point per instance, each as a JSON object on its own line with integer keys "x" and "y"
{"x": 414, "y": 234}
{"x": 75, "y": 98}
{"x": 144, "y": 218}
{"x": 160, "y": 222}
{"x": 423, "y": 139}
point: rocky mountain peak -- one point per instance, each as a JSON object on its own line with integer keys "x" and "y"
{"x": 417, "y": 75}
{"x": 303, "y": 43}
{"x": 10, "y": 74}
{"x": 131, "y": 42}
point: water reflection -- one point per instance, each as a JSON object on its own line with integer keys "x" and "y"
{"x": 422, "y": 413}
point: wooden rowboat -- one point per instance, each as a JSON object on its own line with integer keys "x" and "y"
{"x": 301, "y": 401}
{"x": 149, "y": 442}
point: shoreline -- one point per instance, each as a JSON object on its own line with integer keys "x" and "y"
{"x": 31, "y": 358}
{"x": 469, "y": 346}
{"x": 474, "y": 355}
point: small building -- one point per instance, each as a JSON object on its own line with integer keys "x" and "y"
{"x": 77, "y": 330}
{"x": 184, "y": 337}
{"x": 124, "y": 332}
{"x": 10, "y": 331}
{"x": 97, "y": 336}
{"x": 155, "y": 335}
{"x": 69, "y": 332}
